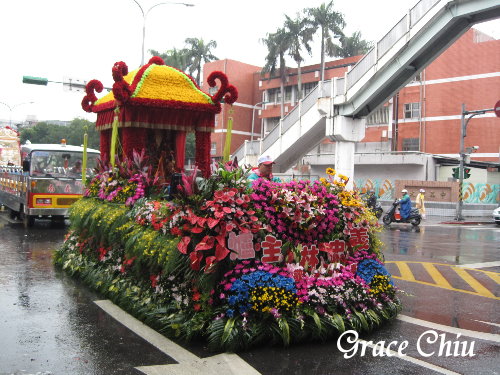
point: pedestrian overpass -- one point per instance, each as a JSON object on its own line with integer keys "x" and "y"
{"x": 337, "y": 108}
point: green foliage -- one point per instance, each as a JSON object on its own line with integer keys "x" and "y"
{"x": 44, "y": 132}
{"x": 353, "y": 45}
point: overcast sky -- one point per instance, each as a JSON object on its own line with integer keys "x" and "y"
{"x": 82, "y": 39}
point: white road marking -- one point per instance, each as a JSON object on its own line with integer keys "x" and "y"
{"x": 479, "y": 265}
{"x": 440, "y": 327}
{"x": 490, "y": 323}
{"x": 222, "y": 364}
{"x": 416, "y": 361}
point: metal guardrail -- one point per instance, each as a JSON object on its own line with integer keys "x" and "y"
{"x": 392, "y": 37}
{"x": 420, "y": 9}
{"x": 387, "y": 42}
{"x": 294, "y": 115}
{"x": 270, "y": 138}
{"x": 340, "y": 86}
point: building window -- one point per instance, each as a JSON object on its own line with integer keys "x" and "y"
{"x": 288, "y": 93}
{"x": 378, "y": 117}
{"x": 307, "y": 88}
{"x": 410, "y": 144}
{"x": 274, "y": 95}
{"x": 213, "y": 149}
{"x": 271, "y": 123}
{"x": 412, "y": 110}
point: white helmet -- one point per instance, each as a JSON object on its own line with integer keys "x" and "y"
{"x": 422, "y": 190}
{"x": 404, "y": 191}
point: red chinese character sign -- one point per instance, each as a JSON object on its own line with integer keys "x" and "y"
{"x": 242, "y": 246}
{"x": 359, "y": 238}
{"x": 309, "y": 256}
{"x": 335, "y": 250}
{"x": 271, "y": 250}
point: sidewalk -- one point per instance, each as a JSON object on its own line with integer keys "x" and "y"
{"x": 451, "y": 220}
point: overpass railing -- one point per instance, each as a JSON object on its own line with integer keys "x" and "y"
{"x": 388, "y": 41}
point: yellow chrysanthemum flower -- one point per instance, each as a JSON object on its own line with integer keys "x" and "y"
{"x": 331, "y": 171}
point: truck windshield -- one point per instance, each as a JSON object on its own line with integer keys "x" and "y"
{"x": 61, "y": 163}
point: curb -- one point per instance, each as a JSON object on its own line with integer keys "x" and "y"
{"x": 467, "y": 222}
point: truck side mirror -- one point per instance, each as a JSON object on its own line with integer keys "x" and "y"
{"x": 26, "y": 165}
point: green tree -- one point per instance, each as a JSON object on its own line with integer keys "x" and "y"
{"x": 198, "y": 53}
{"x": 277, "y": 46}
{"x": 330, "y": 23}
{"x": 299, "y": 35}
{"x": 77, "y": 129}
{"x": 177, "y": 58}
{"x": 353, "y": 45}
{"x": 73, "y": 133}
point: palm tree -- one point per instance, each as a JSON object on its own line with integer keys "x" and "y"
{"x": 277, "y": 46}
{"x": 299, "y": 34}
{"x": 174, "y": 57}
{"x": 198, "y": 53}
{"x": 331, "y": 24}
{"x": 353, "y": 45}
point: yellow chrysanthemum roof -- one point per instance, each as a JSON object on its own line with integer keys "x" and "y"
{"x": 157, "y": 85}
{"x": 157, "y": 96}
{"x": 161, "y": 82}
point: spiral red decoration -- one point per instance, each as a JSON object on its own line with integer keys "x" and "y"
{"x": 225, "y": 88}
{"x": 156, "y": 60}
{"x": 89, "y": 99}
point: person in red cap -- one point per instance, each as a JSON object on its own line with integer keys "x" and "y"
{"x": 264, "y": 170}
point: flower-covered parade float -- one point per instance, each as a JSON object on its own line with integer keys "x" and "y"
{"x": 205, "y": 254}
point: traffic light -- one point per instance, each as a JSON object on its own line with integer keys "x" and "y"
{"x": 35, "y": 80}
{"x": 456, "y": 173}
{"x": 466, "y": 173}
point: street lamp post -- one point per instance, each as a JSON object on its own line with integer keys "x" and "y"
{"x": 144, "y": 15}
{"x": 256, "y": 106}
{"x": 11, "y": 108}
{"x": 464, "y": 122}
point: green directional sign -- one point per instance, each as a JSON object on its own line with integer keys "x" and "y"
{"x": 35, "y": 80}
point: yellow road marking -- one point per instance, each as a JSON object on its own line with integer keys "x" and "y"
{"x": 478, "y": 287}
{"x": 494, "y": 276}
{"x": 441, "y": 282}
{"x": 405, "y": 271}
{"x": 436, "y": 275}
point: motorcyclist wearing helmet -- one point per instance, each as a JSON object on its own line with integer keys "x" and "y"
{"x": 405, "y": 204}
{"x": 371, "y": 199}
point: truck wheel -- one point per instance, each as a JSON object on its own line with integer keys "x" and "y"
{"x": 12, "y": 213}
{"x": 387, "y": 220}
{"x": 28, "y": 220}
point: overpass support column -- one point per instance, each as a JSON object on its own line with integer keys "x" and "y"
{"x": 345, "y": 131}
{"x": 344, "y": 160}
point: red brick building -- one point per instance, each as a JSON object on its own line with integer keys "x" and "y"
{"x": 426, "y": 112}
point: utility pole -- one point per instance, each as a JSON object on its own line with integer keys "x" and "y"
{"x": 463, "y": 133}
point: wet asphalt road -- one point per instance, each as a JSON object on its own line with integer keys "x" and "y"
{"x": 50, "y": 325}
{"x": 48, "y": 322}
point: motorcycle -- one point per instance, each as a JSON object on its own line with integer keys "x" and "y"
{"x": 393, "y": 216}
{"x": 378, "y": 210}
